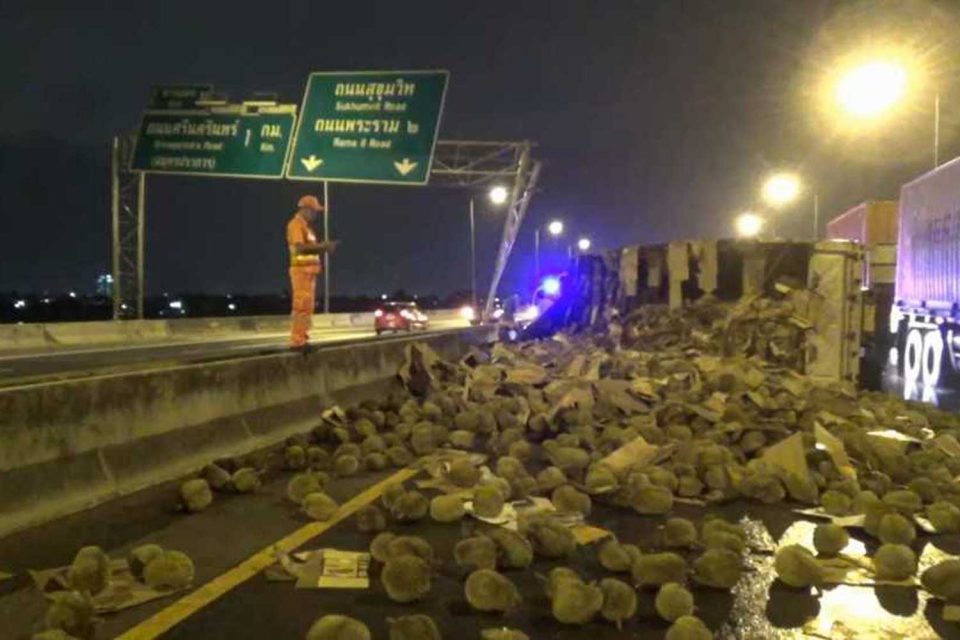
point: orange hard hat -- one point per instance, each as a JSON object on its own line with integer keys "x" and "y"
{"x": 309, "y": 202}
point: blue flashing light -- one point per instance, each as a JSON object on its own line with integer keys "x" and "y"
{"x": 551, "y": 286}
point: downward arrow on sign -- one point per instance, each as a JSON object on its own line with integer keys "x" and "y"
{"x": 311, "y": 162}
{"x": 405, "y": 166}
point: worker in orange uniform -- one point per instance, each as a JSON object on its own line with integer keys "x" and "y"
{"x": 305, "y": 265}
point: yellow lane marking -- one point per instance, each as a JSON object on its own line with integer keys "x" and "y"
{"x": 167, "y": 618}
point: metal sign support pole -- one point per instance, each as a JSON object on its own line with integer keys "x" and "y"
{"x": 141, "y": 241}
{"x": 115, "y": 221}
{"x": 326, "y": 254}
{"x": 473, "y": 256}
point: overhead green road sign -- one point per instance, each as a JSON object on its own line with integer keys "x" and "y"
{"x": 227, "y": 142}
{"x": 179, "y": 96}
{"x": 368, "y": 126}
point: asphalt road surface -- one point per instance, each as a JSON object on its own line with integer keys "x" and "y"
{"x": 20, "y": 367}
{"x": 232, "y": 597}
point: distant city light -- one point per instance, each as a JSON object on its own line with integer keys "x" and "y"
{"x": 383, "y": 296}
{"x": 123, "y": 305}
{"x": 748, "y": 225}
{"x": 498, "y": 194}
{"x": 551, "y": 285}
{"x": 176, "y": 304}
{"x": 781, "y": 189}
{"x": 232, "y": 307}
{"x": 528, "y": 314}
{"x": 555, "y": 227}
{"x": 584, "y": 244}
{"x": 73, "y": 294}
{"x": 46, "y": 301}
{"x": 20, "y": 304}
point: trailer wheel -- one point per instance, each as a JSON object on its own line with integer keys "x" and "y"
{"x": 913, "y": 356}
{"x": 932, "y": 357}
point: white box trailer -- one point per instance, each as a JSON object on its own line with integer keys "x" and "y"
{"x": 926, "y": 313}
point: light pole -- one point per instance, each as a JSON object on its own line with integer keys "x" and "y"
{"x": 554, "y": 228}
{"x": 498, "y": 195}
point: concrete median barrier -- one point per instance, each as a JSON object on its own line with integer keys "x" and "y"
{"x": 68, "y": 445}
{"x": 111, "y": 333}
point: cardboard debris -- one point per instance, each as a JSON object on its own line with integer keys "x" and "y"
{"x": 123, "y": 592}
{"x": 891, "y": 434}
{"x": 948, "y": 444}
{"x": 588, "y": 534}
{"x": 636, "y": 452}
{"x": 322, "y": 569}
{"x": 789, "y": 457}
{"x": 855, "y": 521}
{"x": 836, "y": 451}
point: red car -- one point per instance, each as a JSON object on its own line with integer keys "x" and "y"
{"x": 399, "y": 316}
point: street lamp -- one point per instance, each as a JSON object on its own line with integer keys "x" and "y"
{"x": 554, "y": 228}
{"x": 584, "y": 244}
{"x": 782, "y": 188}
{"x": 498, "y": 196}
{"x": 872, "y": 88}
{"x": 748, "y": 225}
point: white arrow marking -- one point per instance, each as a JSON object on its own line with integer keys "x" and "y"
{"x": 405, "y": 166}
{"x": 311, "y": 162}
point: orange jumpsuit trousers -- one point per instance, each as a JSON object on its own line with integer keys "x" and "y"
{"x": 303, "y": 284}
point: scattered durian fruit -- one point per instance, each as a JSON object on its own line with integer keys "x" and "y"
{"x": 673, "y": 601}
{"x": 478, "y": 552}
{"x": 337, "y": 627}
{"x": 575, "y": 602}
{"x": 90, "y": 570}
{"x": 679, "y": 533}
{"x": 943, "y": 580}
{"x": 513, "y": 550}
{"x": 295, "y": 458}
{"x": 487, "y": 501}
{"x": 171, "y": 570}
{"x": 216, "y": 476}
{"x": 830, "y": 539}
{"x": 655, "y": 569}
{"x": 797, "y": 567}
{"x": 139, "y": 557}
{"x": 896, "y": 529}
{"x": 320, "y": 506}
{"x": 614, "y": 556}
{"x": 652, "y": 500}
{"x": 371, "y": 519}
{"x": 550, "y": 539}
{"x": 301, "y": 485}
{"x": 688, "y": 628}
{"x": 410, "y": 507}
{"x": 487, "y": 590}
{"x": 895, "y": 562}
{"x": 447, "y": 508}
{"x": 463, "y": 473}
{"x": 415, "y": 627}
{"x": 718, "y": 568}
{"x": 619, "y": 601}
{"x": 245, "y": 480}
{"x": 72, "y": 613}
{"x": 346, "y": 465}
{"x": 944, "y": 516}
{"x": 195, "y": 495}
{"x": 568, "y": 499}
{"x": 406, "y": 578}
{"x": 550, "y": 478}
{"x": 410, "y": 545}
{"x": 558, "y": 575}
{"x": 380, "y": 546}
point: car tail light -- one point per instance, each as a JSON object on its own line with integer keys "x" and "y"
{"x": 378, "y": 313}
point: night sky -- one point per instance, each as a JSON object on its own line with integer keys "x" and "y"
{"x": 654, "y": 120}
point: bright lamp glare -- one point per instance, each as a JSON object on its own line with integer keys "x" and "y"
{"x": 555, "y": 228}
{"x": 748, "y": 225}
{"x": 781, "y": 189}
{"x": 868, "y": 90}
{"x": 551, "y": 286}
{"x": 584, "y": 244}
{"x": 467, "y": 313}
{"x": 498, "y": 194}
